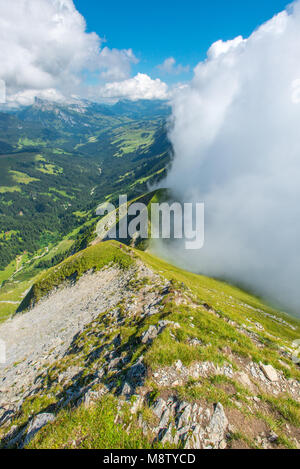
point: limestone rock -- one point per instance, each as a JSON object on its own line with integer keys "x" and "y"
{"x": 178, "y": 365}
{"x": 127, "y": 390}
{"x": 149, "y": 335}
{"x": 36, "y": 425}
{"x": 137, "y": 404}
{"x": 217, "y": 427}
{"x": 244, "y": 379}
{"x": 269, "y": 372}
{"x": 137, "y": 371}
{"x": 159, "y": 407}
{"x": 184, "y": 418}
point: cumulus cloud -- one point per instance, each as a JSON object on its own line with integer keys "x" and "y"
{"x": 222, "y": 47}
{"x": 116, "y": 63}
{"x": 169, "y": 66}
{"x": 44, "y": 46}
{"x": 27, "y": 97}
{"x": 235, "y": 134}
{"x": 139, "y": 87}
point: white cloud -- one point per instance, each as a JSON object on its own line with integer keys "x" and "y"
{"x": 139, "y": 87}
{"x": 117, "y": 63}
{"x": 236, "y": 140}
{"x": 44, "y": 46}
{"x": 224, "y": 47}
{"x": 169, "y": 66}
{"x": 26, "y": 97}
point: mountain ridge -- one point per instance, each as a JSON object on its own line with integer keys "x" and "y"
{"x": 177, "y": 359}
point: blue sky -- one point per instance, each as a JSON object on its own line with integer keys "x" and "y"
{"x": 184, "y": 30}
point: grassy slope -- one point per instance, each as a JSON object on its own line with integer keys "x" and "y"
{"x": 232, "y": 304}
{"x": 93, "y": 428}
{"x": 93, "y": 258}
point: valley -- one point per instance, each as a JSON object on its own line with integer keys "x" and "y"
{"x": 57, "y": 163}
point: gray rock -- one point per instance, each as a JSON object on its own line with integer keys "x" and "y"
{"x": 184, "y": 418}
{"x": 137, "y": 371}
{"x": 273, "y": 437}
{"x": 182, "y": 406}
{"x": 154, "y": 331}
{"x": 127, "y": 390}
{"x": 182, "y": 434}
{"x": 150, "y": 334}
{"x": 115, "y": 363}
{"x": 6, "y": 416}
{"x": 137, "y": 404}
{"x": 159, "y": 407}
{"x": 217, "y": 427}
{"x": 178, "y": 365}
{"x": 269, "y": 372}
{"x": 36, "y": 425}
{"x": 167, "y": 436}
{"x": 13, "y": 438}
{"x": 163, "y": 324}
{"x": 195, "y": 342}
{"x": 165, "y": 419}
{"x": 93, "y": 396}
{"x": 194, "y": 441}
{"x": 244, "y": 379}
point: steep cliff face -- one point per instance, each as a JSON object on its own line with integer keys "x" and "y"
{"x": 117, "y": 339}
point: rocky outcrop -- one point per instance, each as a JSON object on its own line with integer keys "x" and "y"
{"x": 153, "y": 331}
{"x": 188, "y": 425}
{"x": 36, "y": 425}
{"x": 269, "y": 372}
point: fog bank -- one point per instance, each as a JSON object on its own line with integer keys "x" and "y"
{"x": 236, "y": 137}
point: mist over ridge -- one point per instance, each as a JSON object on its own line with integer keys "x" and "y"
{"x": 235, "y": 134}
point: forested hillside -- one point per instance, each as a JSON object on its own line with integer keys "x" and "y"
{"x": 58, "y": 161}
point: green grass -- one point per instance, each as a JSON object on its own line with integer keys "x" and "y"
{"x": 40, "y": 158}
{"x": 6, "y": 310}
{"x": 51, "y": 169}
{"x": 27, "y": 142}
{"x": 4, "y": 189}
{"x": 231, "y": 304}
{"x": 61, "y": 248}
{"x": 95, "y": 427}
{"x": 288, "y": 408}
{"x": 12, "y": 294}
{"x": 146, "y": 178}
{"x": 13, "y": 286}
{"x": 5, "y": 236}
{"x": 92, "y": 428}
{"x": 132, "y": 140}
{"x": 22, "y": 178}
{"x": 80, "y": 214}
{"x": 8, "y": 271}
{"x": 231, "y": 301}
{"x": 60, "y": 192}
{"x": 212, "y": 390}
